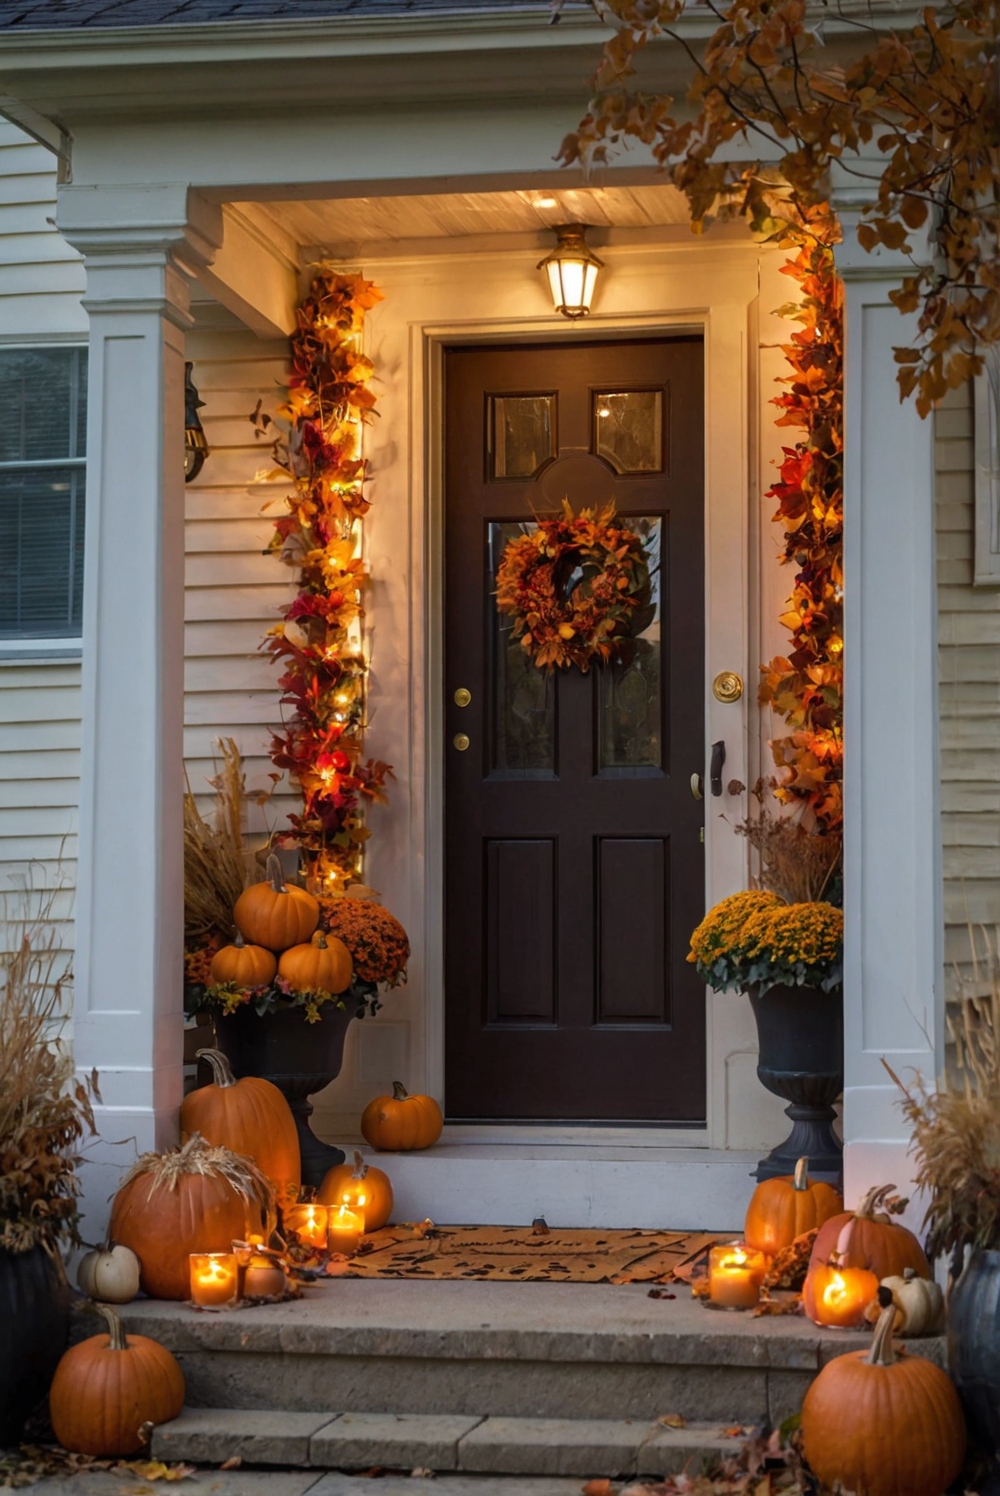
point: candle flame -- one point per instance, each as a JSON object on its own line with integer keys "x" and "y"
{"x": 835, "y": 1291}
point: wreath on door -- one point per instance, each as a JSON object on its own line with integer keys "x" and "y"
{"x": 577, "y": 588}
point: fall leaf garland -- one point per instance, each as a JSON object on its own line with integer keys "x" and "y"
{"x": 806, "y": 686}
{"x": 316, "y": 444}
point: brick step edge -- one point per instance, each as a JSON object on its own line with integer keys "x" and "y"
{"x": 441, "y": 1442}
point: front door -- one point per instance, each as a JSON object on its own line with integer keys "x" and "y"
{"x": 574, "y": 847}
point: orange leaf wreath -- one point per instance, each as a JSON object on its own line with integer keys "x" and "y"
{"x": 577, "y": 588}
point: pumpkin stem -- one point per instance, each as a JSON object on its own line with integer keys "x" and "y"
{"x": 909, "y": 1273}
{"x": 360, "y": 1167}
{"x": 319, "y": 941}
{"x": 239, "y": 942}
{"x": 116, "y": 1330}
{"x": 399, "y": 1091}
{"x": 222, "y": 1071}
{"x": 882, "y": 1353}
{"x": 875, "y": 1200}
{"x": 273, "y": 872}
{"x": 801, "y": 1180}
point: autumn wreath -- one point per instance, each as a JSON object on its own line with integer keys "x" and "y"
{"x": 577, "y": 587}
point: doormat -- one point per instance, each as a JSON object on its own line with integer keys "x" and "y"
{"x": 527, "y": 1254}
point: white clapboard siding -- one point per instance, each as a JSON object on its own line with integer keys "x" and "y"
{"x": 969, "y": 666}
{"x": 41, "y": 277}
{"x": 233, "y": 590}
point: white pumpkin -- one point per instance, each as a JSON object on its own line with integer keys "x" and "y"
{"x": 110, "y": 1274}
{"x": 919, "y": 1304}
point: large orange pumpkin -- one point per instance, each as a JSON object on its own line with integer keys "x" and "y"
{"x": 248, "y": 1116}
{"x": 246, "y": 965}
{"x": 108, "y": 1387}
{"x": 876, "y": 1241}
{"x": 362, "y": 1188}
{"x": 401, "y": 1122}
{"x": 196, "y": 1198}
{"x": 782, "y": 1209}
{"x": 879, "y": 1426}
{"x": 324, "y": 965}
{"x": 276, "y": 914}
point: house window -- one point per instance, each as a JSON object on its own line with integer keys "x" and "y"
{"x": 43, "y": 424}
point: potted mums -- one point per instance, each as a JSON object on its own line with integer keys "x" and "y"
{"x": 787, "y": 957}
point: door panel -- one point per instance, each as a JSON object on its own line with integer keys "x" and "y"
{"x": 574, "y": 865}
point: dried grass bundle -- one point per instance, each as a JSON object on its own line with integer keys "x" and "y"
{"x": 218, "y": 865}
{"x": 45, "y": 1111}
{"x": 794, "y": 863}
{"x": 956, "y": 1129}
{"x": 166, "y": 1170}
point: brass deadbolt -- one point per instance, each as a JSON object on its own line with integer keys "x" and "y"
{"x": 462, "y": 696}
{"x": 727, "y": 686}
{"x": 460, "y": 741}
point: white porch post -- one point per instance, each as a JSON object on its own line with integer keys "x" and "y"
{"x": 140, "y": 246}
{"x": 893, "y": 978}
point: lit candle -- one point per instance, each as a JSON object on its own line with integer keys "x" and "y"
{"x": 214, "y": 1279}
{"x": 838, "y": 1296}
{"x": 308, "y": 1223}
{"x": 346, "y": 1229}
{"x": 735, "y": 1273}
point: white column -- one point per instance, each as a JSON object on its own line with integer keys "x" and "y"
{"x": 140, "y": 248}
{"x": 893, "y": 979}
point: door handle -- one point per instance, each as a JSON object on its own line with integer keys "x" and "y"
{"x": 697, "y": 787}
{"x": 718, "y": 761}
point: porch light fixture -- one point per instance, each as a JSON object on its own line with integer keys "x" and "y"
{"x": 572, "y": 270}
{"x": 195, "y": 442}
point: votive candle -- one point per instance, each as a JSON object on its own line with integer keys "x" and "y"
{"x": 346, "y": 1228}
{"x": 214, "y": 1279}
{"x": 735, "y": 1273}
{"x": 308, "y": 1223}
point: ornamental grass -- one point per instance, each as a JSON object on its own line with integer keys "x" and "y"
{"x": 217, "y": 863}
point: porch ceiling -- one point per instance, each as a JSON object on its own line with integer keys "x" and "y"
{"x": 351, "y": 222}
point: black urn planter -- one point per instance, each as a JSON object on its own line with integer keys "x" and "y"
{"x": 800, "y": 1034}
{"x": 299, "y": 1057}
{"x": 34, "y": 1330}
{"x": 974, "y": 1352}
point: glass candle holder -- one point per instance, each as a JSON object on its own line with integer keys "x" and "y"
{"x": 263, "y": 1279}
{"x": 839, "y": 1296}
{"x": 308, "y": 1223}
{"x": 735, "y": 1273}
{"x": 345, "y": 1230}
{"x": 214, "y": 1279}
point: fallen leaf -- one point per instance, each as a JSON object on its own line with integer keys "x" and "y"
{"x": 672, "y": 1420}
{"x": 598, "y": 1488}
{"x": 233, "y": 1463}
{"x": 422, "y": 1473}
{"x": 660, "y": 1293}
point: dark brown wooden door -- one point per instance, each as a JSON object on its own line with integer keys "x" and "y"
{"x": 574, "y": 861}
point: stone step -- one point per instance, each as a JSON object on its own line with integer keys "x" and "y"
{"x": 441, "y": 1442}
{"x": 503, "y": 1350}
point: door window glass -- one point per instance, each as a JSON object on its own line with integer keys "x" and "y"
{"x": 523, "y": 698}
{"x": 630, "y": 690}
{"x": 628, "y": 429}
{"x": 522, "y": 434}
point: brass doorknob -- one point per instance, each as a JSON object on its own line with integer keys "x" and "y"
{"x": 727, "y": 686}
{"x": 462, "y": 696}
{"x": 460, "y": 741}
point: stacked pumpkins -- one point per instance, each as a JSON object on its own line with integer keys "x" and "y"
{"x": 275, "y": 919}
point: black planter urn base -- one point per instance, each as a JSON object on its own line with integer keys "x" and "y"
{"x": 801, "y": 1041}
{"x": 298, "y": 1057}
{"x": 34, "y": 1331}
{"x": 974, "y": 1355}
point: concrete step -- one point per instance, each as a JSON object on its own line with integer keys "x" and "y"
{"x": 499, "y": 1350}
{"x": 441, "y": 1442}
{"x": 313, "y": 1482}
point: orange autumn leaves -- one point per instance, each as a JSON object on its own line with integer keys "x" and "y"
{"x": 805, "y": 687}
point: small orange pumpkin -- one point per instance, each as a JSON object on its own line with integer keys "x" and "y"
{"x": 782, "y": 1209}
{"x": 876, "y": 1241}
{"x": 324, "y": 965}
{"x": 276, "y": 914}
{"x": 249, "y": 1116}
{"x": 108, "y": 1387}
{"x": 362, "y": 1188}
{"x": 246, "y": 965}
{"x": 401, "y": 1122}
{"x": 882, "y": 1426}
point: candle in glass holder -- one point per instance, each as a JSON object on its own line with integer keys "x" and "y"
{"x": 214, "y": 1279}
{"x": 308, "y": 1223}
{"x": 346, "y": 1228}
{"x": 264, "y": 1279}
{"x": 735, "y": 1273}
{"x": 838, "y": 1296}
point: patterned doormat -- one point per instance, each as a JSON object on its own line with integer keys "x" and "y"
{"x": 526, "y": 1254}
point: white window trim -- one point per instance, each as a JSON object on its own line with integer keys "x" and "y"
{"x": 986, "y": 421}
{"x": 44, "y": 648}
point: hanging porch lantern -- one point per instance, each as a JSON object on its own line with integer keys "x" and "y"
{"x": 572, "y": 270}
{"x": 195, "y": 441}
